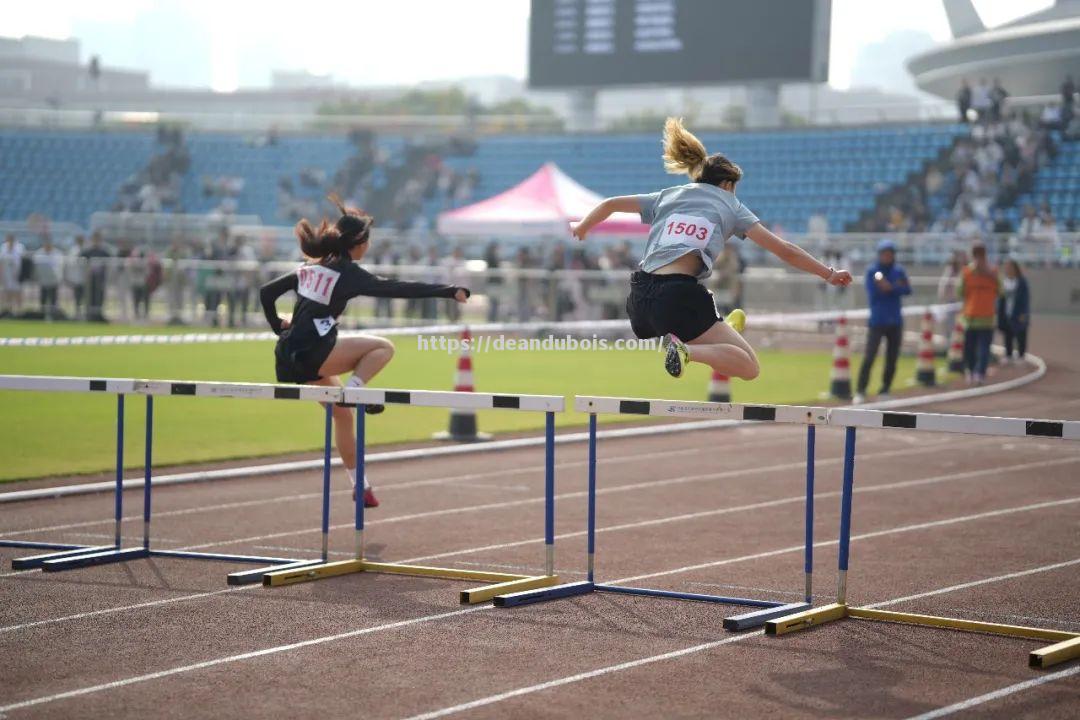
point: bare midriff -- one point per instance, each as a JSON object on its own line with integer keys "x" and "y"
{"x": 688, "y": 264}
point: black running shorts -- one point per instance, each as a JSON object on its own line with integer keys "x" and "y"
{"x": 301, "y": 365}
{"x": 676, "y": 304}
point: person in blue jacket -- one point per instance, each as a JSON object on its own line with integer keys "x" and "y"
{"x": 886, "y": 284}
{"x": 1014, "y": 310}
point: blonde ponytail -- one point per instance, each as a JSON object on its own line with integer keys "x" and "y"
{"x": 683, "y": 152}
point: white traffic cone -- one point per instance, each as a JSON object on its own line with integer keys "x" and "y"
{"x": 840, "y": 376}
{"x": 463, "y": 422}
{"x": 925, "y": 373}
{"x": 719, "y": 388}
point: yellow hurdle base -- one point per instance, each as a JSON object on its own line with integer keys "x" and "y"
{"x": 498, "y": 583}
{"x": 1067, "y": 647}
{"x": 1054, "y": 654}
{"x": 806, "y": 619}
{"x": 487, "y": 592}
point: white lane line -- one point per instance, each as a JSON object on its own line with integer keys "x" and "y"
{"x": 389, "y": 487}
{"x": 578, "y": 677}
{"x": 706, "y": 513}
{"x": 420, "y": 454}
{"x": 122, "y": 608}
{"x": 862, "y": 536}
{"x": 235, "y": 658}
{"x": 676, "y": 518}
{"x": 752, "y": 506}
{"x": 976, "y": 583}
{"x": 997, "y": 694}
{"x": 492, "y": 699}
{"x": 907, "y": 452}
{"x": 440, "y": 616}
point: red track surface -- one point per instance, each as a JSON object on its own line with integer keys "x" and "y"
{"x": 716, "y": 511}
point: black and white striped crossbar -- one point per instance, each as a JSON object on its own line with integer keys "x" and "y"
{"x": 797, "y": 414}
{"x": 838, "y": 417}
{"x": 66, "y": 384}
{"x": 455, "y": 400}
{"x": 253, "y": 391}
{"x": 967, "y": 424}
{"x": 266, "y": 391}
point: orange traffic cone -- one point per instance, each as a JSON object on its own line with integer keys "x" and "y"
{"x": 719, "y": 388}
{"x": 956, "y": 348}
{"x": 840, "y": 377}
{"x": 463, "y": 422}
{"x": 924, "y": 363}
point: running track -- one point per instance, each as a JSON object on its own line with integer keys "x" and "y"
{"x": 974, "y": 527}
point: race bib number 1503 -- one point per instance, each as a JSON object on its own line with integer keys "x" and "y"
{"x": 687, "y": 230}
{"x": 316, "y": 282}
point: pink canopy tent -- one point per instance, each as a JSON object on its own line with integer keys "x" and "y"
{"x": 543, "y": 204}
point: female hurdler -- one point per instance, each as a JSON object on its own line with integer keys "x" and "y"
{"x": 689, "y": 225}
{"x": 308, "y": 349}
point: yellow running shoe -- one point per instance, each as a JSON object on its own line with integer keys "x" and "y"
{"x": 736, "y": 319}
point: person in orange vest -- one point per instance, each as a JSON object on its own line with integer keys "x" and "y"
{"x": 979, "y": 289}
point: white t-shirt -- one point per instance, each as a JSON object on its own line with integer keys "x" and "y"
{"x": 10, "y": 263}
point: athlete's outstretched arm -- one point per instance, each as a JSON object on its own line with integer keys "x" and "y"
{"x": 359, "y": 281}
{"x": 600, "y": 213}
{"x": 268, "y": 295}
{"x": 795, "y": 256}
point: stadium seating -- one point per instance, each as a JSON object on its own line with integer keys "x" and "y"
{"x": 1057, "y": 183}
{"x": 67, "y": 175}
{"x": 790, "y": 174}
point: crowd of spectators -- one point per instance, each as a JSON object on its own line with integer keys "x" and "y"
{"x": 393, "y": 187}
{"x": 156, "y": 187}
{"x": 985, "y": 173}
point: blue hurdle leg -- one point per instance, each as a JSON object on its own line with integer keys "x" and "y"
{"x": 757, "y": 618}
{"x": 119, "y": 499}
{"x": 696, "y": 597}
{"x": 845, "y": 514}
{"x": 549, "y": 494}
{"x": 360, "y": 480}
{"x": 811, "y": 435}
{"x": 148, "y": 463}
{"x": 528, "y": 597}
{"x": 592, "y": 497}
{"x": 31, "y": 562}
{"x": 104, "y": 557}
{"x": 328, "y": 432}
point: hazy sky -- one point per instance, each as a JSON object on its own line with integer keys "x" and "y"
{"x": 226, "y": 44}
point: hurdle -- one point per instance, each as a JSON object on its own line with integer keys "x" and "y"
{"x": 68, "y": 557}
{"x": 1066, "y": 644}
{"x": 766, "y": 609}
{"x": 497, "y": 583}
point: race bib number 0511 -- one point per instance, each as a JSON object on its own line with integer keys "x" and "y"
{"x": 316, "y": 283}
{"x": 687, "y": 230}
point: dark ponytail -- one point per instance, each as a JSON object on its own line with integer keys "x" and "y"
{"x": 351, "y": 229}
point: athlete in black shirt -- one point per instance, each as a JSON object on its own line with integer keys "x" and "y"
{"x": 308, "y": 349}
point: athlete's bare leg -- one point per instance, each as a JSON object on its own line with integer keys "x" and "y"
{"x": 365, "y": 356}
{"x": 722, "y": 348}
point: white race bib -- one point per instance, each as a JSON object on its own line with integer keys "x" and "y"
{"x": 686, "y": 230}
{"x": 324, "y": 325}
{"x": 316, "y": 283}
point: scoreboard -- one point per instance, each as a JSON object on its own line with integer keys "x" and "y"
{"x": 600, "y": 43}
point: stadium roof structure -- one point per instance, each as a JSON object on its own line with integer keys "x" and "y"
{"x": 544, "y": 204}
{"x": 1031, "y": 55}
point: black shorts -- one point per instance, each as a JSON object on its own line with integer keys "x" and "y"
{"x": 301, "y": 365}
{"x": 676, "y": 304}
